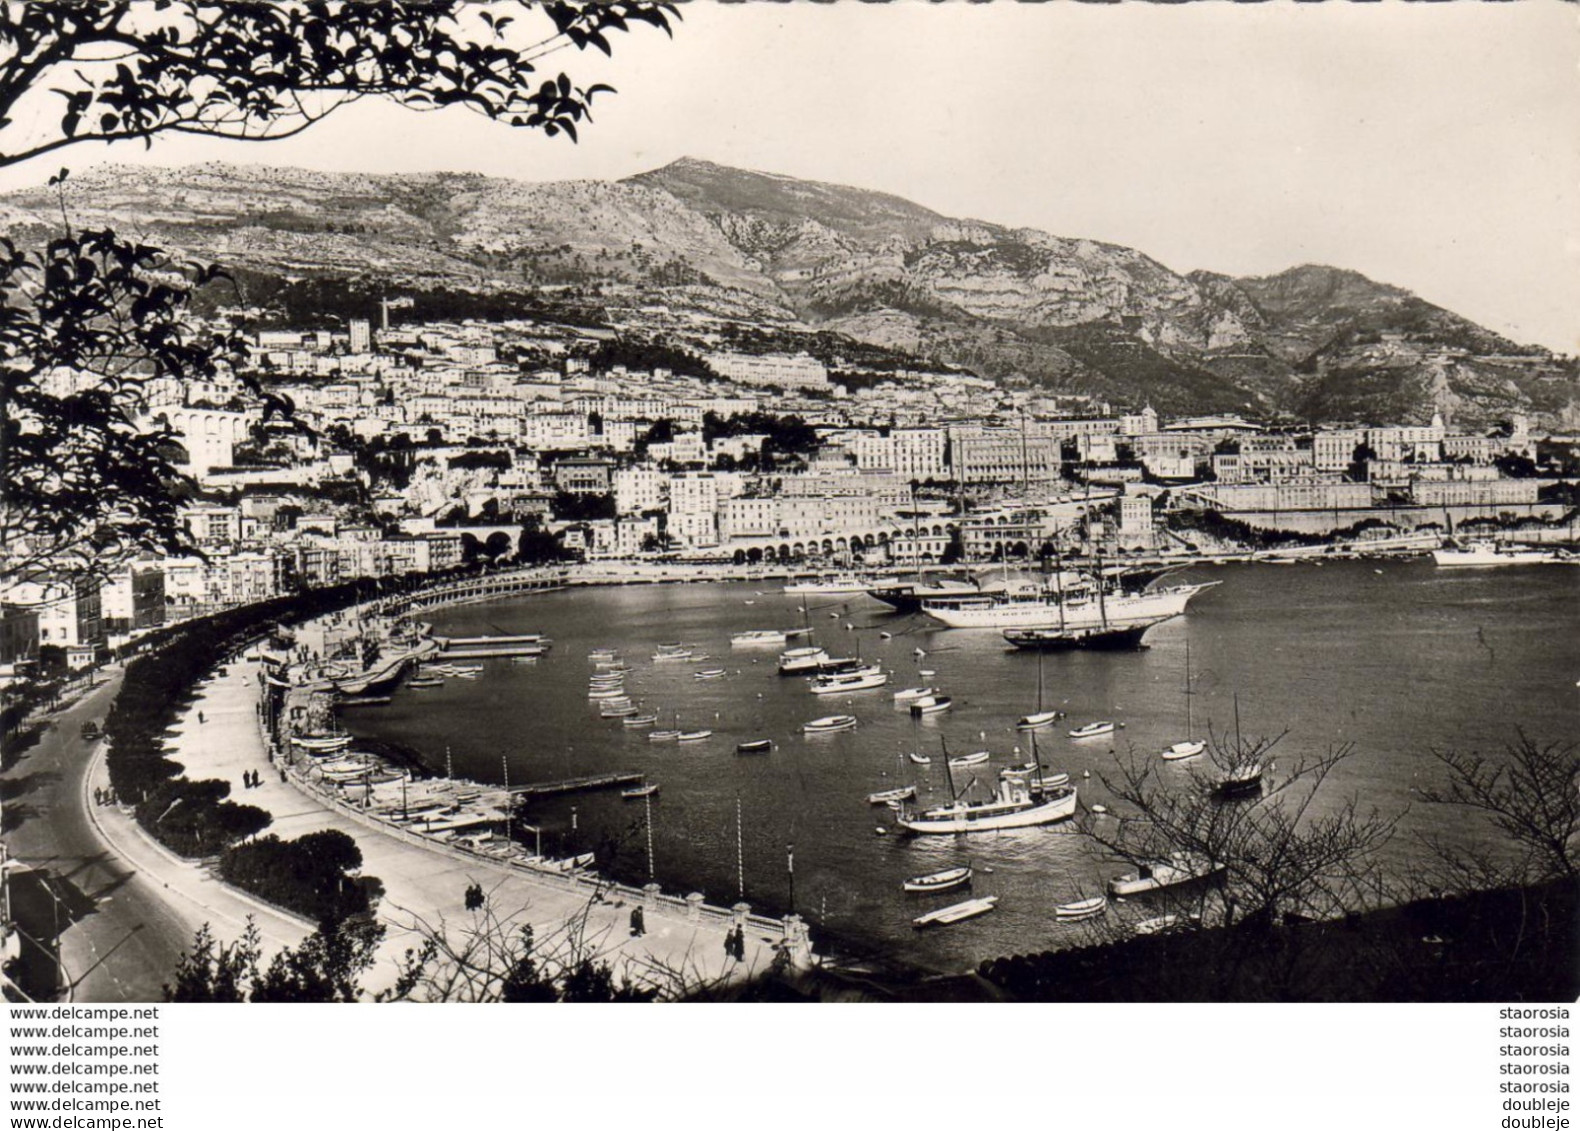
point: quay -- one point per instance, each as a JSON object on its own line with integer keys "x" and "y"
{"x": 477, "y": 652}
{"x": 577, "y": 785}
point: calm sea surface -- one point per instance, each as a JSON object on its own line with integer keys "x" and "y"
{"x": 1396, "y": 660}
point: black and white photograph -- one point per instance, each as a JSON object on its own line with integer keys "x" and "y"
{"x": 913, "y": 504}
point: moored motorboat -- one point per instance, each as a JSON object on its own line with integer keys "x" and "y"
{"x": 957, "y": 912}
{"x": 911, "y": 694}
{"x": 1182, "y": 750}
{"x": 755, "y": 746}
{"x": 693, "y": 735}
{"x": 931, "y": 705}
{"x": 963, "y": 760}
{"x": 757, "y": 636}
{"x": 795, "y": 661}
{"x": 939, "y": 881}
{"x": 856, "y": 681}
{"x": 1092, "y": 730}
{"x": 1180, "y": 868}
{"x": 830, "y": 723}
{"x": 1015, "y": 806}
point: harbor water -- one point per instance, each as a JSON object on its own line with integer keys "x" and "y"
{"x": 1396, "y": 659}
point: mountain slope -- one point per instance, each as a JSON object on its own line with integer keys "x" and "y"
{"x": 1069, "y": 314}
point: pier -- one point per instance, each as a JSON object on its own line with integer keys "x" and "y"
{"x": 577, "y": 785}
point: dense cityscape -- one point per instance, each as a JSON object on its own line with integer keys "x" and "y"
{"x": 415, "y": 448}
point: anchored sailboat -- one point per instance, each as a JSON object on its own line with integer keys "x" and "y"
{"x": 1191, "y": 747}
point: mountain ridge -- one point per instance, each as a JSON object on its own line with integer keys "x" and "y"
{"x": 1065, "y": 313}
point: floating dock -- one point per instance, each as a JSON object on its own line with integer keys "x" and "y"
{"x": 577, "y": 785}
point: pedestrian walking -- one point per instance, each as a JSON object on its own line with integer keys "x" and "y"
{"x": 200, "y": 716}
{"x": 638, "y": 926}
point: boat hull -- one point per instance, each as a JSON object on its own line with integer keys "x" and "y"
{"x": 1117, "y": 612}
{"x": 986, "y": 818}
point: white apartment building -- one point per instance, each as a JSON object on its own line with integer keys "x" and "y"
{"x": 556, "y": 431}
{"x": 799, "y": 372}
{"x": 693, "y": 508}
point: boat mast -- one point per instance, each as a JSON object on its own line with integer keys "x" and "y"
{"x": 1102, "y": 606}
{"x": 1189, "y": 724}
{"x": 949, "y": 777}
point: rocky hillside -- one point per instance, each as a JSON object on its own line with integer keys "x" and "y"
{"x": 1070, "y": 314}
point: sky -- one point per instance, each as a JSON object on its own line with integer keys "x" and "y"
{"x": 1432, "y": 146}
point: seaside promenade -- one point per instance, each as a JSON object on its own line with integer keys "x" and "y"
{"x": 424, "y": 886}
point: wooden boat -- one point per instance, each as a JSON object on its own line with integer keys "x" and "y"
{"x": 1039, "y": 719}
{"x": 647, "y": 790}
{"x": 617, "y": 710}
{"x": 758, "y": 636}
{"x": 659, "y": 657}
{"x": 961, "y": 761}
{"x": 640, "y": 720}
{"x": 1159, "y": 925}
{"x": 884, "y": 796}
{"x": 422, "y": 681}
{"x": 955, "y": 913}
{"x": 756, "y": 746}
{"x": 939, "y": 881}
{"x": 607, "y": 693}
{"x": 931, "y": 705}
{"x": 920, "y": 759}
{"x": 1081, "y": 908}
{"x": 1244, "y": 781}
{"x": 830, "y": 723}
{"x": 1181, "y": 868}
{"x": 693, "y": 735}
{"x": 855, "y": 681}
{"x": 798, "y": 660}
{"x": 911, "y": 694}
{"x": 662, "y": 735}
{"x": 709, "y": 673}
{"x": 1092, "y": 730}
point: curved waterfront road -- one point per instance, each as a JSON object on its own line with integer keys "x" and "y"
{"x": 119, "y": 939}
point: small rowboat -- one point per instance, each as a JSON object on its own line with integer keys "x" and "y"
{"x": 1181, "y": 750}
{"x": 965, "y": 760}
{"x": 884, "y": 796}
{"x": 1039, "y": 719}
{"x": 829, "y": 724}
{"x": 939, "y": 881}
{"x": 1159, "y": 925}
{"x": 662, "y": 735}
{"x": 640, "y": 720}
{"x": 920, "y": 759}
{"x": 425, "y": 681}
{"x": 931, "y": 705}
{"x": 970, "y": 909}
{"x": 661, "y": 656}
{"x": 647, "y": 790}
{"x": 693, "y": 735}
{"x": 756, "y": 746}
{"x": 617, "y": 711}
{"x": 1081, "y": 908}
{"x": 710, "y": 673}
{"x": 1092, "y": 730}
{"x": 606, "y": 693}
{"x": 911, "y": 694}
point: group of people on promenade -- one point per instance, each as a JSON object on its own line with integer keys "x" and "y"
{"x": 251, "y": 779}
